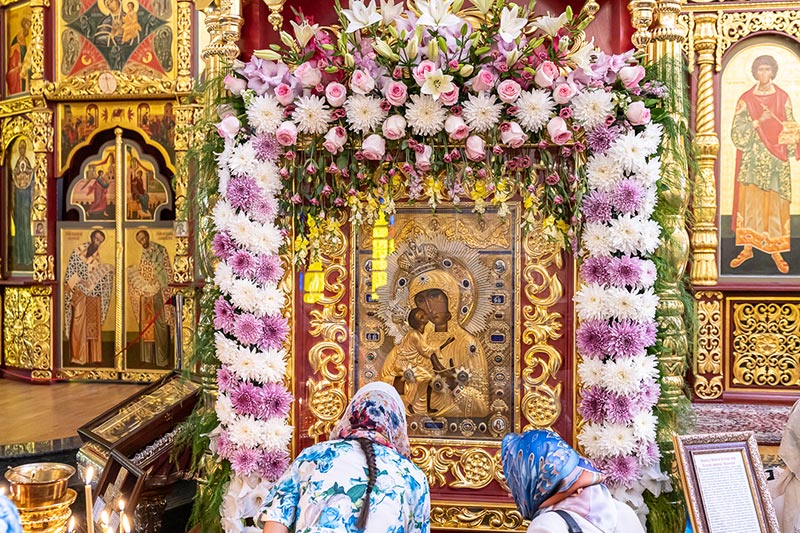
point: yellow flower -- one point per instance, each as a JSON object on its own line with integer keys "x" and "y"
{"x": 548, "y": 222}
{"x": 563, "y": 226}
{"x": 527, "y": 203}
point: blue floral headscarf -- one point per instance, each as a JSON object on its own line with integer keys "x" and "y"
{"x": 376, "y": 412}
{"x": 9, "y": 516}
{"x": 539, "y": 465}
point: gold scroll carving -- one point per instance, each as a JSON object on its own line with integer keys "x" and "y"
{"x": 27, "y": 317}
{"x": 476, "y": 518}
{"x": 708, "y": 346}
{"x": 43, "y": 262}
{"x": 765, "y": 344}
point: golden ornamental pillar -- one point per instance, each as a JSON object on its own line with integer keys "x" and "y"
{"x": 704, "y": 206}
{"x": 641, "y": 20}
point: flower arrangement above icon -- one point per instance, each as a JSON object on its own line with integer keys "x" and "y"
{"x": 437, "y": 104}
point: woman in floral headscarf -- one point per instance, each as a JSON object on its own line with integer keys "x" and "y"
{"x": 9, "y": 516}
{"x": 359, "y": 480}
{"x": 560, "y": 491}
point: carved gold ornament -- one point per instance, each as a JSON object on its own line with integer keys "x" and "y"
{"x": 708, "y": 346}
{"x": 27, "y": 322}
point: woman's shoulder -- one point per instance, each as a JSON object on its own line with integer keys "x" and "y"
{"x": 403, "y": 465}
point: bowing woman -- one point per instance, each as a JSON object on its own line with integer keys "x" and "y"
{"x": 360, "y": 480}
{"x": 558, "y": 490}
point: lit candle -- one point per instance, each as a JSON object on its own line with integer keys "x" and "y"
{"x": 121, "y": 514}
{"x": 71, "y": 526}
{"x": 87, "y": 490}
{"x": 126, "y": 525}
{"x": 104, "y": 518}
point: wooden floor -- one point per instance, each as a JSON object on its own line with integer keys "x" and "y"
{"x": 32, "y": 413}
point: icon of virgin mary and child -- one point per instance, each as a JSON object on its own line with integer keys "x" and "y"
{"x": 438, "y": 367}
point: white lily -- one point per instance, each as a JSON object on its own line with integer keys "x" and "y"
{"x": 436, "y": 83}
{"x": 304, "y": 32}
{"x": 390, "y": 11}
{"x": 383, "y": 49}
{"x": 436, "y": 14}
{"x": 549, "y": 24}
{"x": 483, "y": 5}
{"x": 583, "y": 57}
{"x": 360, "y": 15}
{"x": 510, "y": 24}
{"x": 269, "y": 55}
{"x": 412, "y": 48}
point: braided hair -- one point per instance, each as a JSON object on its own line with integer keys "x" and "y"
{"x": 369, "y": 452}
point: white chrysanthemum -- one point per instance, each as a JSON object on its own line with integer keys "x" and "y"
{"x": 621, "y": 376}
{"x": 272, "y": 300}
{"x": 244, "y": 363}
{"x": 622, "y": 303}
{"x": 245, "y": 431}
{"x": 618, "y": 439}
{"x": 603, "y": 172}
{"x": 650, "y": 235}
{"x": 629, "y": 153}
{"x": 425, "y": 115}
{"x": 534, "y": 109}
{"x": 644, "y": 426}
{"x": 265, "y": 114}
{"x": 649, "y": 173}
{"x": 223, "y": 277}
{"x": 481, "y": 112}
{"x": 591, "y": 439}
{"x": 590, "y": 302}
{"x": 267, "y": 175}
{"x": 364, "y": 113}
{"x": 646, "y": 367}
{"x": 261, "y": 301}
{"x": 276, "y": 434}
{"x": 648, "y": 303}
{"x": 651, "y": 137}
{"x": 648, "y": 202}
{"x": 262, "y": 238}
{"x": 590, "y": 108}
{"x": 224, "y": 177}
{"x": 223, "y": 215}
{"x": 242, "y": 160}
{"x": 591, "y": 372}
{"x": 311, "y": 114}
{"x": 625, "y": 234}
{"x": 224, "y": 407}
{"x": 649, "y": 274}
{"x": 597, "y": 239}
{"x": 274, "y": 367}
{"x": 225, "y": 154}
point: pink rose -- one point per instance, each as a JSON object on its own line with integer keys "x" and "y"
{"x": 508, "y": 91}
{"x": 336, "y": 94}
{"x": 456, "y": 128}
{"x": 235, "y": 85}
{"x": 422, "y": 69}
{"x": 558, "y": 130}
{"x": 424, "y": 158}
{"x": 396, "y": 93}
{"x": 564, "y": 93}
{"x": 286, "y": 133}
{"x": 631, "y": 76}
{"x": 335, "y": 139}
{"x": 484, "y": 81}
{"x": 546, "y": 74}
{"x": 309, "y": 76}
{"x": 637, "y": 114}
{"x": 475, "y": 148}
{"x": 228, "y": 127}
{"x": 394, "y": 127}
{"x": 511, "y": 134}
{"x": 373, "y": 147}
{"x": 449, "y": 98}
{"x": 284, "y": 94}
{"x": 362, "y": 82}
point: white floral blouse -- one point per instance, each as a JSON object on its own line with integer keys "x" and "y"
{"x": 323, "y": 490}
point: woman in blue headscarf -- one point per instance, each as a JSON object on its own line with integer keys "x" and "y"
{"x": 560, "y": 491}
{"x": 9, "y": 516}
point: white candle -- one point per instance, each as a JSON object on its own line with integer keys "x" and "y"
{"x": 71, "y": 526}
{"x": 121, "y": 514}
{"x": 126, "y": 525}
{"x": 87, "y": 490}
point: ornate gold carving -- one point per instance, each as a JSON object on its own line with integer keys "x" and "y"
{"x": 483, "y": 518}
{"x": 641, "y": 19}
{"x": 188, "y": 323}
{"x": 16, "y": 106}
{"x": 27, "y": 325}
{"x": 704, "y": 236}
{"x": 541, "y": 401}
{"x": 733, "y": 27}
{"x": 43, "y": 263}
{"x": 41, "y": 375}
{"x": 36, "y": 46}
{"x": 708, "y": 346}
{"x": 470, "y": 468}
{"x": 87, "y": 87}
{"x": 275, "y": 17}
{"x": 14, "y": 127}
{"x": 766, "y": 344}
{"x": 185, "y": 136}
{"x": 184, "y": 81}
{"x": 90, "y": 374}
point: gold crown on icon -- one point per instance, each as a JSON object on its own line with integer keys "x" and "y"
{"x": 418, "y": 258}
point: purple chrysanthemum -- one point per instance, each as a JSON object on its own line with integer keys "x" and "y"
{"x": 225, "y": 448}
{"x": 246, "y": 398}
{"x": 592, "y": 338}
{"x": 648, "y": 394}
{"x": 621, "y": 469}
{"x": 224, "y": 315}
{"x": 223, "y": 245}
{"x": 595, "y": 270}
{"x": 628, "y": 196}
{"x": 648, "y": 453}
{"x": 242, "y": 263}
{"x": 625, "y": 271}
{"x": 267, "y": 147}
{"x": 274, "y": 330}
{"x": 242, "y": 192}
{"x": 273, "y": 464}
{"x": 600, "y": 139}
{"x": 619, "y": 408}
{"x": 247, "y": 328}
{"x": 226, "y": 379}
{"x": 597, "y": 207}
{"x": 626, "y": 339}
{"x": 593, "y": 404}
{"x": 264, "y": 209}
{"x": 245, "y": 461}
{"x": 268, "y": 269}
{"x": 275, "y": 401}
{"x": 650, "y": 332}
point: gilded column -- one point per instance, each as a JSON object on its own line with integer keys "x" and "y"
{"x": 42, "y": 138}
{"x": 36, "y": 46}
{"x": 641, "y": 19}
{"x": 119, "y": 260}
{"x": 704, "y": 207}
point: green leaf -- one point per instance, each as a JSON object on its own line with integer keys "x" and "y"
{"x": 356, "y": 493}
